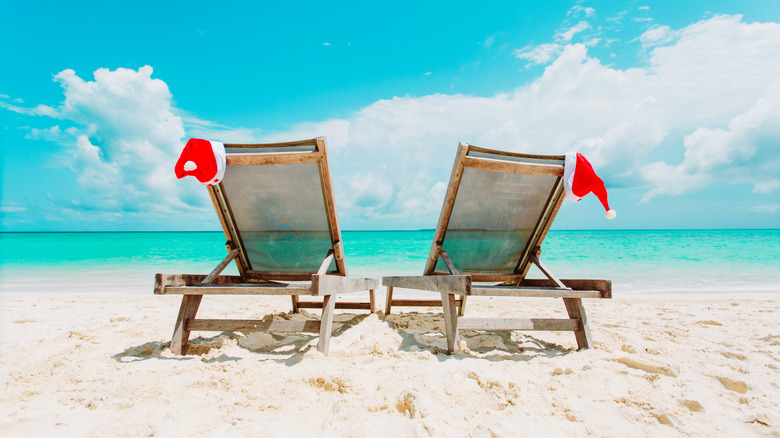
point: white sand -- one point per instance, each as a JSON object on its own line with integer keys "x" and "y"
{"x": 98, "y": 365}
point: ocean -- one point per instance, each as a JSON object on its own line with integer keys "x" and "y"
{"x": 637, "y": 261}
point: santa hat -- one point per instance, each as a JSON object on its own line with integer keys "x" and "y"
{"x": 579, "y": 179}
{"x": 203, "y": 159}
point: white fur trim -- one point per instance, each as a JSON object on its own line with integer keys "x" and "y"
{"x": 219, "y": 155}
{"x": 569, "y": 167}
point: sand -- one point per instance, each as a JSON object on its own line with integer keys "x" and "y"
{"x": 98, "y": 365}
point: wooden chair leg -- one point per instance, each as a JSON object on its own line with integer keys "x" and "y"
{"x": 462, "y": 308}
{"x": 450, "y": 321}
{"x": 576, "y": 311}
{"x": 188, "y": 309}
{"x": 294, "y": 303}
{"x": 372, "y": 301}
{"x": 326, "y": 323}
{"x": 389, "y": 301}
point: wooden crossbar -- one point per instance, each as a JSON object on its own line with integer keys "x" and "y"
{"x": 339, "y": 305}
{"x": 416, "y": 303}
{"x": 262, "y": 159}
{"x": 240, "y": 289}
{"x": 513, "y": 166}
{"x": 252, "y": 325}
{"x": 518, "y": 291}
{"x": 525, "y": 324}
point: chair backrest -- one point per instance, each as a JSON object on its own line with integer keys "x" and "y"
{"x": 276, "y": 206}
{"x": 496, "y": 213}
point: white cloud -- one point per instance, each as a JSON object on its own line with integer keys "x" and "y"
{"x": 567, "y": 35}
{"x": 40, "y": 110}
{"x": 707, "y": 96}
{"x": 123, "y": 143}
{"x": 541, "y": 54}
{"x": 706, "y": 108}
{"x": 766, "y": 208}
{"x": 658, "y": 35}
{"x": 766, "y": 187}
{"x": 197, "y": 128}
{"x": 579, "y": 9}
{"x": 489, "y": 41}
{"x": 12, "y": 209}
{"x": 617, "y": 18}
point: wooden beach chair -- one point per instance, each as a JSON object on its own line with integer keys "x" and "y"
{"x": 497, "y": 211}
{"x": 276, "y": 208}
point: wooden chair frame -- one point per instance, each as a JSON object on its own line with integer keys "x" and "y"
{"x": 323, "y": 283}
{"x": 455, "y": 286}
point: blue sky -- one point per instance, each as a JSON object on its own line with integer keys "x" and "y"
{"x": 676, "y": 104}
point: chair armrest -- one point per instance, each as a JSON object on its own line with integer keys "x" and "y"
{"x": 324, "y": 284}
{"x": 450, "y": 284}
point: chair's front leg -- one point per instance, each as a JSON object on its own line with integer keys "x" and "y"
{"x": 576, "y": 310}
{"x": 188, "y": 309}
{"x": 450, "y": 321}
{"x": 326, "y": 323}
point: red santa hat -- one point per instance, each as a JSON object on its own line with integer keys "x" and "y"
{"x": 579, "y": 179}
{"x": 203, "y": 159}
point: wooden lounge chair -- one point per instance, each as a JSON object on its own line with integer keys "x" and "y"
{"x": 276, "y": 207}
{"x": 497, "y": 211}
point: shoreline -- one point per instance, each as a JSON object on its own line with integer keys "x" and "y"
{"x": 90, "y": 363}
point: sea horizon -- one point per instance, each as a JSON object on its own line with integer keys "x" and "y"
{"x": 637, "y": 261}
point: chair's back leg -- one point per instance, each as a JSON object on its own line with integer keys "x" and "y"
{"x": 294, "y": 303}
{"x": 576, "y": 311}
{"x": 389, "y": 300}
{"x": 462, "y": 305}
{"x": 188, "y": 309}
{"x": 372, "y": 301}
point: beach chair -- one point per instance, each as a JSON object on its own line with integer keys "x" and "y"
{"x": 276, "y": 208}
{"x": 496, "y": 213}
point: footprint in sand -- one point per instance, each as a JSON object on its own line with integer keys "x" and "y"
{"x": 692, "y": 405}
{"x": 734, "y": 385}
{"x": 667, "y": 370}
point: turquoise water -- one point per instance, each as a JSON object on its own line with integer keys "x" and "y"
{"x": 666, "y": 261}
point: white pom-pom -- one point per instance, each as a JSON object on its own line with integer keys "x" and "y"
{"x": 611, "y": 214}
{"x": 189, "y": 166}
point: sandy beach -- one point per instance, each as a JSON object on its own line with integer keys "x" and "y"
{"x": 672, "y": 365}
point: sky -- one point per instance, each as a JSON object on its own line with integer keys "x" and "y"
{"x": 676, "y": 104}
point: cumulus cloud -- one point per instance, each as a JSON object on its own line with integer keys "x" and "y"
{"x": 127, "y": 136}
{"x": 703, "y": 108}
{"x": 707, "y": 97}
{"x": 124, "y": 137}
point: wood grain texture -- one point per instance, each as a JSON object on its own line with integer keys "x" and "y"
{"x": 251, "y": 325}
{"x": 181, "y": 334}
{"x": 261, "y": 159}
{"x": 515, "y": 167}
{"x": 452, "y": 284}
{"x": 532, "y": 324}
